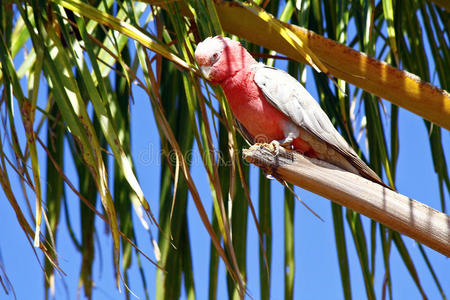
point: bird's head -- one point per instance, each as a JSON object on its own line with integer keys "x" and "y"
{"x": 220, "y": 58}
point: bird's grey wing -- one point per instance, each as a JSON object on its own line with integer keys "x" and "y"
{"x": 290, "y": 97}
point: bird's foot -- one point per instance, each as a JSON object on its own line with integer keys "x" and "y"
{"x": 287, "y": 143}
{"x": 276, "y": 145}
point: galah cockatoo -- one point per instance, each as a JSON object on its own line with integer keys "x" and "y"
{"x": 272, "y": 106}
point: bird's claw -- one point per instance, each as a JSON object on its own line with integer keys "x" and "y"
{"x": 287, "y": 143}
{"x": 276, "y": 145}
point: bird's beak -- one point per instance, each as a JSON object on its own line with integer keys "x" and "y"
{"x": 205, "y": 71}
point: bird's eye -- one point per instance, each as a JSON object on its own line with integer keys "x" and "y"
{"x": 214, "y": 57}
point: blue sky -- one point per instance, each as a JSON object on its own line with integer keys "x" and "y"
{"x": 317, "y": 273}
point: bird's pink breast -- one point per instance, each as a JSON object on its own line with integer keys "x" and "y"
{"x": 262, "y": 120}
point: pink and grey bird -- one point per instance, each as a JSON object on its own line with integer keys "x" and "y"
{"x": 270, "y": 103}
